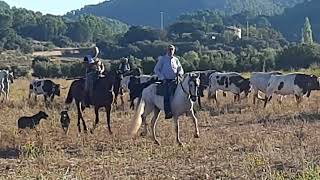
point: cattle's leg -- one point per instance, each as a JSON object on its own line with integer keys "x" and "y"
{"x": 279, "y": 99}
{"x": 195, "y": 122}
{"x": 51, "y": 98}
{"x": 255, "y": 96}
{"x": 108, "y": 111}
{"x": 176, "y": 122}
{"x": 96, "y": 112}
{"x": 154, "y": 125}
{"x": 213, "y": 95}
{"x": 298, "y": 99}
{"x": 8, "y": 90}
{"x": 224, "y": 94}
{"x": 266, "y": 100}
{"x": 132, "y": 105}
{"x": 199, "y": 102}
{"x": 122, "y": 102}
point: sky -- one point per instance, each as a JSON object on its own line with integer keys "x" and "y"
{"x": 56, "y": 7}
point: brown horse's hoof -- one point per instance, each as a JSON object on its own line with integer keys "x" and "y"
{"x": 181, "y": 144}
{"x": 91, "y": 131}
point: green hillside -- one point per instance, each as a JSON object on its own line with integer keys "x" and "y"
{"x": 147, "y": 12}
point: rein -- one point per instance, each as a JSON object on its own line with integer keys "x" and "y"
{"x": 187, "y": 93}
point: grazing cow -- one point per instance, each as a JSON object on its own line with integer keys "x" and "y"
{"x": 31, "y": 122}
{"x": 6, "y": 78}
{"x": 46, "y": 87}
{"x": 136, "y": 84}
{"x": 259, "y": 82}
{"x": 297, "y": 84}
{"x": 231, "y": 81}
{"x": 64, "y": 120}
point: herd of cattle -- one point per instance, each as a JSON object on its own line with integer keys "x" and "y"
{"x": 269, "y": 83}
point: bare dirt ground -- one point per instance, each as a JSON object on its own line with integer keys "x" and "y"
{"x": 239, "y": 141}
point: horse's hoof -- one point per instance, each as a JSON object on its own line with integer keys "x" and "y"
{"x": 181, "y": 144}
{"x": 196, "y": 136}
{"x": 143, "y": 134}
{"x": 110, "y": 132}
{"x": 157, "y": 142}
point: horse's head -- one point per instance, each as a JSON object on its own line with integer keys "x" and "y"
{"x": 191, "y": 85}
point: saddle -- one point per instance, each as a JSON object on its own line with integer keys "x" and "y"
{"x": 161, "y": 87}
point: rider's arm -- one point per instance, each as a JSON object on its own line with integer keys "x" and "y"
{"x": 180, "y": 68}
{"x": 158, "y": 68}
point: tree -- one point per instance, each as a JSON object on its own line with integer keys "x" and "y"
{"x": 307, "y": 32}
{"x": 139, "y": 33}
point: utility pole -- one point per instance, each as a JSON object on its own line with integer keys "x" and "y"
{"x": 161, "y": 20}
{"x": 247, "y": 29}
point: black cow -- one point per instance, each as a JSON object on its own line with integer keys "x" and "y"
{"x": 136, "y": 86}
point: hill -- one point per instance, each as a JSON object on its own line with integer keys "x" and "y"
{"x": 147, "y": 12}
{"x": 292, "y": 20}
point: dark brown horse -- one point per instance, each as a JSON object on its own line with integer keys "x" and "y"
{"x": 103, "y": 96}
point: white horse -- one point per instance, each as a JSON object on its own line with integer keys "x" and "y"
{"x": 5, "y": 78}
{"x": 182, "y": 101}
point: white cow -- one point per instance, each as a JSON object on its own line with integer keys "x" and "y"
{"x": 231, "y": 81}
{"x": 259, "y": 82}
{"x": 297, "y": 84}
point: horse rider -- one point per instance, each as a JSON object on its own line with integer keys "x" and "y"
{"x": 168, "y": 68}
{"x": 124, "y": 67}
{"x": 94, "y": 69}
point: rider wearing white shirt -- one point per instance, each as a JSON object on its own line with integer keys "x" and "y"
{"x": 167, "y": 69}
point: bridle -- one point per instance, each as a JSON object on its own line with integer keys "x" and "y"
{"x": 189, "y": 93}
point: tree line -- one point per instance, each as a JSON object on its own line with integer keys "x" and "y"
{"x": 203, "y": 40}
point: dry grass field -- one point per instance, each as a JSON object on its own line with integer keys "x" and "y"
{"x": 239, "y": 141}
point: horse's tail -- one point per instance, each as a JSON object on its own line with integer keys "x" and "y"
{"x": 69, "y": 98}
{"x": 137, "y": 120}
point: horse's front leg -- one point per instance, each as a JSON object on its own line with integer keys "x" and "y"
{"x": 195, "y": 122}
{"x": 79, "y": 116}
{"x": 96, "y": 112}
{"x": 154, "y": 125}
{"x": 176, "y": 122}
{"x": 108, "y": 113}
